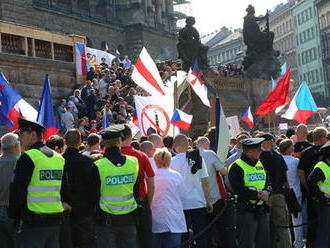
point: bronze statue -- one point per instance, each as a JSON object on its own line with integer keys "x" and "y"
{"x": 261, "y": 59}
{"x": 190, "y": 46}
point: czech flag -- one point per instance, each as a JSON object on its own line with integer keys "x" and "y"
{"x": 81, "y": 64}
{"x": 181, "y": 120}
{"x": 248, "y": 118}
{"x": 302, "y": 105}
{"x": 46, "y": 111}
{"x": 12, "y": 106}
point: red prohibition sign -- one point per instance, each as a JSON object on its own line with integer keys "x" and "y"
{"x": 153, "y": 123}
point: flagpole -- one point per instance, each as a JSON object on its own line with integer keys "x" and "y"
{"x": 176, "y": 102}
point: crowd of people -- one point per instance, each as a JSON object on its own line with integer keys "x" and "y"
{"x": 230, "y": 70}
{"x": 169, "y": 189}
{"x": 109, "y": 91}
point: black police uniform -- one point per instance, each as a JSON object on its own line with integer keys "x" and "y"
{"x": 322, "y": 204}
{"x": 114, "y": 230}
{"x": 34, "y": 230}
{"x": 252, "y": 219}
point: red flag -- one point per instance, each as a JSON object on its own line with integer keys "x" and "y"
{"x": 277, "y": 97}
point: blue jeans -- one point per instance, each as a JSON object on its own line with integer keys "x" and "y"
{"x": 166, "y": 240}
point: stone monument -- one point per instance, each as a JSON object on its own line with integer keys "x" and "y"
{"x": 190, "y": 46}
{"x": 261, "y": 59}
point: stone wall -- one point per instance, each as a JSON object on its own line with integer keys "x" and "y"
{"x": 27, "y": 76}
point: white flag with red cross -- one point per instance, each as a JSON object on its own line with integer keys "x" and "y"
{"x": 195, "y": 78}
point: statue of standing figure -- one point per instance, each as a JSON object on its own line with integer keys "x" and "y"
{"x": 190, "y": 47}
{"x": 261, "y": 59}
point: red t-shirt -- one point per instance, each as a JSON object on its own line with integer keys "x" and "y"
{"x": 145, "y": 169}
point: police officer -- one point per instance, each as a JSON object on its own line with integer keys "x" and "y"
{"x": 248, "y": 179}
{"x": 117, "y": 175}
{"x": 319, "y": 185}
{"x": 35, "y": 199}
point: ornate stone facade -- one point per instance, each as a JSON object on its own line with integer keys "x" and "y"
{"x": 125, "y": 24}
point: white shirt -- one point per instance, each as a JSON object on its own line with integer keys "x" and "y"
{"x": 213, "y": 165}
{"x": 153, "y": 163}
{"x": 67, "y": 120}
{"x": 103, "y": 87}
{"x": 166, "y": 206}
{"x": 194, "y": 198}
{"x": 293, "y": 178}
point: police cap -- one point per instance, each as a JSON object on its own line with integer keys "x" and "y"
{"x": 252, "y": 143}
{"x": 267, "y": 136}
{"x": 112, "y": 132}
{"x": 26, "y": 125}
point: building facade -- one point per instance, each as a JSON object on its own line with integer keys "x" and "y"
{"x": 127, "y": 25}
{"x": 309, "y": 59}
{"x": 229, "y": 50}
{"x": 323, "y": 7}
{"x": 281, "y": 23}
{"x": 225, "y": 46}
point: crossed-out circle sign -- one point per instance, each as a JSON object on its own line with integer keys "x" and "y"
{"x": 163, "y": 126}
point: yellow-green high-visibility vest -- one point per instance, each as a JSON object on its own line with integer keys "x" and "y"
{"x": 254, "y": 177}
{"x": 117, "y": 185}
{"x": 43, "y": 192}
{"x": 325, "y": 185}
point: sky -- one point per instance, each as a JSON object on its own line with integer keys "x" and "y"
{"x": 211, "y": 15}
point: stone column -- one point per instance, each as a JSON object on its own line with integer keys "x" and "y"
{"x": 0, "y": 43}
{"x": 33, "y": 47}
{"x": 26, "y": 46}
{"x": 52, "y": 50}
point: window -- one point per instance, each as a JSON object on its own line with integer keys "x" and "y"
{"x": 308, "y": 34}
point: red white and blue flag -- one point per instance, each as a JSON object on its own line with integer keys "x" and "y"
{"x": 146, "y": 75}
{"x": 12, "y": 106}
{"x": 247, "y": 117}
{"x": 181, "y": 120}
{"x": 81, "y": 64}
{"x": 302, "y": 105}
{"x": 195, "y": 78}
{"x": 46, "y": 111}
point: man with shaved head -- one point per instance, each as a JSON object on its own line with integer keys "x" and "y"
{"x": 148, "y": 148}
{"x": 198, "y": 201}
{"x": 156, "y": 140}
{"x": 214, "y": 168}
{"x": 302, "y": 143}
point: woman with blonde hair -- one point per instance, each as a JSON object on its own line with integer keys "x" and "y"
{"x": 168, "y": 221}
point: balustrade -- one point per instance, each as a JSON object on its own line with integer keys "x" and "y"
{"x": 14, "y": 44}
